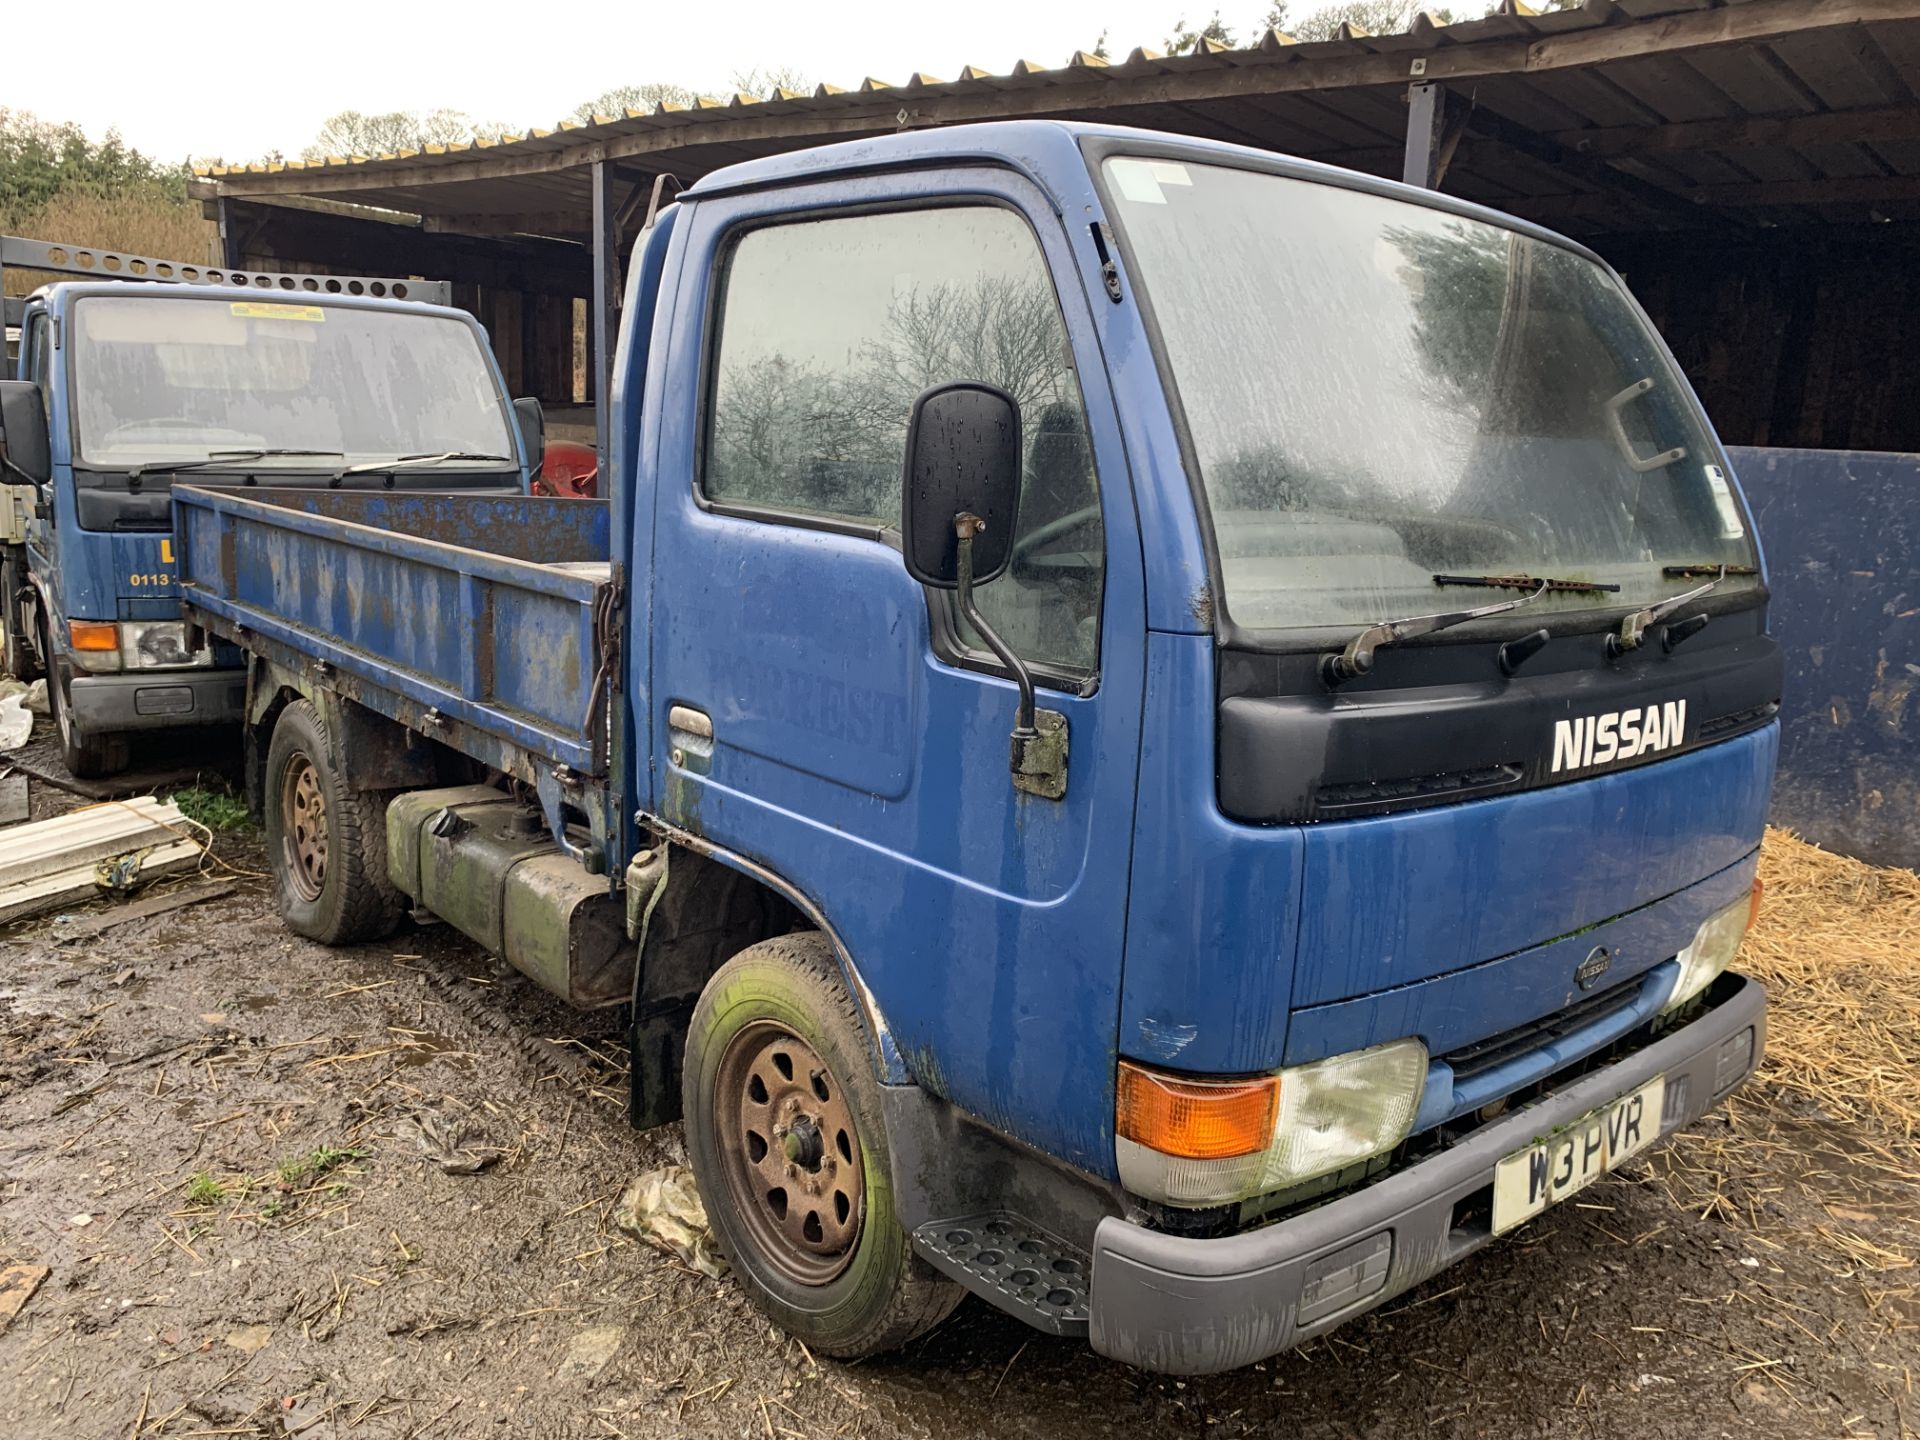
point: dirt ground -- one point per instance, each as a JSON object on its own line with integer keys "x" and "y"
{"x": 209, "y": 1136}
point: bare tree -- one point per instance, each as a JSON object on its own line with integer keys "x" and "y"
{"x": 763, "y": 80}
{"x": 353, "y": 132}
{"x": 623, "y": 98}
{"x": 1375, "y": 17}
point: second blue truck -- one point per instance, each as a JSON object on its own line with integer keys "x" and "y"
{"x": 1172, "y": 738}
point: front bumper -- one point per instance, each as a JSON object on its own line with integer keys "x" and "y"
{"x": 157, "y": 700}
{"x": 1187, "y": 1306}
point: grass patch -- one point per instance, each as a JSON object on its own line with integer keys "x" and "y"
{"x": 302, "y": 1171}
{"x": 215, "y": 809}
{"x": 203, "y": 1189}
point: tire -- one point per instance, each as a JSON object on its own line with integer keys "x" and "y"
{"x": 326, "y": 842}
{"x": 850, "y": 1287}
{"x": 17, "y": 660}
{"x": 87, "y": 757}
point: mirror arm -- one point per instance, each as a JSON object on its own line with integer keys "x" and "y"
{"x": 965, "y": 526}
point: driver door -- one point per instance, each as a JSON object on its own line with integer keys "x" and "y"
{"x": 859, "y": 734}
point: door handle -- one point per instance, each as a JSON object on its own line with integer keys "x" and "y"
{"x": 690, "y": 739}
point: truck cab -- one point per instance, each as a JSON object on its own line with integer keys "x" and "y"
{"x": 1171, "y": 737}
{"x": 139, "y": 384}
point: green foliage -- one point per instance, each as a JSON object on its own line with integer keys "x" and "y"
{"x": 203, "y": 1189}
{"x": 41, "y": 161}
{"x": 215, "y": 809}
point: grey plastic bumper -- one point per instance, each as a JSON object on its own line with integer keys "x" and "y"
{"x": 157, "y": 700}
{"x": 1187, "y": 1306}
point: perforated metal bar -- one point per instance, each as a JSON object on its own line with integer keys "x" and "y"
{"x": 102, "y": 264}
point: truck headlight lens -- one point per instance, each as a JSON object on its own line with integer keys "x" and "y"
{"x": 1185, "y": 1141}
{"x": 1712, "y": 948}
{"x": 159, "y": 645}
{"x": 94, "y": 645}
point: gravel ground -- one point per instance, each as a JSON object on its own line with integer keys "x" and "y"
{"x": 209, "y": 1139}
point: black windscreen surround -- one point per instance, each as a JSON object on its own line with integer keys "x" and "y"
{"x": 1440, "y": 724}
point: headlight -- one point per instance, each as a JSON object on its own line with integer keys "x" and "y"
{"x": 159, "y": 645}
{"x": 1712, "y": 948}
{"x": 94, "y": 645}
{"x": 1210, "y": 1142}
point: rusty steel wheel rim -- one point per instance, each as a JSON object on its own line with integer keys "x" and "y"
{"x": 791, "y": 1153}
{"x": 303, "y": 827}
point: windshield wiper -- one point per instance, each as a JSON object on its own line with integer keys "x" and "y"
{"x": 1526, "y": 582}
{"x": 1357, "y": 658}
{"x": 374, "y": 467}
{"x": 216, "y": 457}
{"x": 1633, "y": 630}
{"x": 1690, "y": 572}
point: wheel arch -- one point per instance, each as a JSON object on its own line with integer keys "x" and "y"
{"x": 660, "y": 1010}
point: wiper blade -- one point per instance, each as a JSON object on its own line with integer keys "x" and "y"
{"x": 1526, "y": 582}
{"x": 219, "y": 457}
{"x": 1357, "y": 658}
{"x": 1633, "y": 630}
{"x": 374, "y": 467}
{"x": 1689, "y": 572}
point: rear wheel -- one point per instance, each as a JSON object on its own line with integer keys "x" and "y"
{"x": 789, "y": 1147}
{"x": 326, "y": 841}
{"x": 86, "y": 756}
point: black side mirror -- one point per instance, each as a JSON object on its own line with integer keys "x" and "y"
{"x": 963, "y": 459}
{"x": 25, "y": 456}
{"x": 532, "y": 421}
{"x": 959, "y": 509}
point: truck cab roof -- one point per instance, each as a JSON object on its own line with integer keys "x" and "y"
{"x": 1055, "y": 155}
{"x": 63, "y": 293}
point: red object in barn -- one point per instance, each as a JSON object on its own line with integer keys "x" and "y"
{"x": 570, "y": 469}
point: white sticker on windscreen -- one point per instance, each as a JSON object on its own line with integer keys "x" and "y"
{"x": 1141, "y": 180}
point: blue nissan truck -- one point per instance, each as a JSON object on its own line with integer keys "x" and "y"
{"x": 1170, "y": 737}
{"x": 340, "y": 384}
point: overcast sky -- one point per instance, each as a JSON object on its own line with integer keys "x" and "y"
{"x": 241, "y": 82}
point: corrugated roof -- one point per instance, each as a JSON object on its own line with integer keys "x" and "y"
{"x": 1635, "y": 86}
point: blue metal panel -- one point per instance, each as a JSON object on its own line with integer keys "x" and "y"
{"x": 644, "y": 327}
{"x": 1214, "y": 906}
{"x": 1486, "y": 999}
{"x": 986, "y": 924}
{"x": 1843, "y": 530}
{"x": 1400, "y": 898}
{"x": 408, "y": 614}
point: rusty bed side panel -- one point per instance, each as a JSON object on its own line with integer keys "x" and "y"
{"x": 497, "y": 643}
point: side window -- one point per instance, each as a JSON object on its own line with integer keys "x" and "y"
{"x": 829, "y": 329}
{"x": 37, "y": 359}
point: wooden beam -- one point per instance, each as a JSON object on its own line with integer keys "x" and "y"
{"x": 1589, "y": 171}
{"x": 1706, "y": 200}
{"x": 1839, "y": 127}
{"x": 566, "y": 224}
{"x": 1845, "y": 190}
{"x": 840, "y": 117}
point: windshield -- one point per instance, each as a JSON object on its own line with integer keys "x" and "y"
{"x": 1378, "y": 393}
{"x": 161, "y": 379}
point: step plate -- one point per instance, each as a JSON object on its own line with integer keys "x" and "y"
{"x": 1014, "y": 1264}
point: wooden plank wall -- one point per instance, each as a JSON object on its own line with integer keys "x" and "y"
{"x": 1794, "y": 337}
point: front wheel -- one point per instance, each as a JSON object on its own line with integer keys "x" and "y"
{"x": 789, "y": 1148}
{"x": 326, "y": 841}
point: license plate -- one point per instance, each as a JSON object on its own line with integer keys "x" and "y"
{"x": 1548, "y": 1171}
